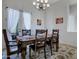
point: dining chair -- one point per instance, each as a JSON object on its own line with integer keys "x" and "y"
{"x": 26, "y": 32}
{"x": 55, "y": 38}
{"x": 13, "y": 35}
{"x": 10, "y": 48}
{"x": 40, "y": 41}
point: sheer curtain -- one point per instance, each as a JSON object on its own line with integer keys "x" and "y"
{"x": 13, "y": 18}
{"x": 27, "y": 20}
{"x": 71, "y": 26}
{"x": 12, "y": 21}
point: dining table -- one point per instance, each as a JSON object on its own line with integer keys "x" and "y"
{"x": 23, "y": 41}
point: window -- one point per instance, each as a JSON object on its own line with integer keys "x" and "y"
{"x": 72, "y": 25}
{"x": 72, "y": 19}
{"x": 13, "y": 18}
{"x": 27, "y": 20}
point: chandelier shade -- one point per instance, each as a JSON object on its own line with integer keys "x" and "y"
{"x": 41, "y": 4}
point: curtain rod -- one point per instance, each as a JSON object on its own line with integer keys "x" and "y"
{"x": 19, "y": 9}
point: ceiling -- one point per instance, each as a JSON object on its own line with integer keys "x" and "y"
{"x": 72, "y": 2}
{"x": 69, "y": 1}
{"x": 23, "y": 4}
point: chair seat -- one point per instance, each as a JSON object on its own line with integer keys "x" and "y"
{"x": 37, "y": 47}
{"x": 41, "y": 35}
{"x": 12, "y": 43}
{"x": 13, "y": 48}
{"x": 54, "y": 40}
{"x": 49, "y": 42}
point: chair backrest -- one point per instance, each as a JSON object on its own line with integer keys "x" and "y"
{"x": 55, "y": 33}
{"x": 42, "y": 33}
{"x": 26, "y": 32}
{"x": 6, "y": 39}
{"x": 13, "y": 36}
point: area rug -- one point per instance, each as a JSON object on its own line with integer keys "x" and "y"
{"x": 65, "y": 52}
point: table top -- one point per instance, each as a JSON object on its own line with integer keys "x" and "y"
{"x": 30, "y": 38}
{"x": 25, "y": 38}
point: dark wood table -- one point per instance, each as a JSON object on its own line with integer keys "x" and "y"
{"x": 26, "y": 40}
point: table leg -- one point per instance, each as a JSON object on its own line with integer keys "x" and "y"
{"x": 51, "y": 47}
{"x": 23, "y": 52}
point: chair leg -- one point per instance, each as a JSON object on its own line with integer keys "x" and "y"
{"x": 45, "y": 53}
{"x": 8, "y": 57}
{"x": 51, "y": 48}
{"x": 35, "y": 53}
{"x": 29, "y": 53}
{"x": 18, "y": 51}
{"x": 57, "y": 46}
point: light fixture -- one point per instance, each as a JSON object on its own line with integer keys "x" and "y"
{"x": 48, "y": 5}
{"x": 46, "y": 1}
{"x": 41, "y": 4}
{"x": 44, "y": 4}
{"x": 41, "y": 1}
{"x": 37, "y": 7}
{"x": 34, "y": 3}
{"x": 37, "y": 4}
{"x": 37, "y": 0}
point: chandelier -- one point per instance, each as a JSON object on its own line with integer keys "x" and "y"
{"x": 41, "y": 4}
